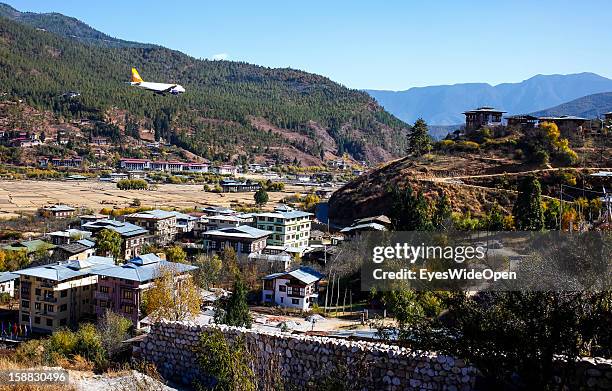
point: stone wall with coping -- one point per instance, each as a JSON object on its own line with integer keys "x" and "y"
{"x": 307, "y": 361}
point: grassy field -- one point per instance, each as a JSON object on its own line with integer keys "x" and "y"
{"x": 27, "y": 196}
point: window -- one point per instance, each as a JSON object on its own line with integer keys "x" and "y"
{"x": 25, "y": 318}
{"x": 48, "y": 308}
{"x": 86, "y": 288}
{"x": 63, "y": 307}
{"x": 50, "y": 322}
{"x": 127, "y": 309}
{"x": 63, "y": 322}
{"x": 282, "y": 299}
{"x": 64, "y": 293}
{"x": 295, "y": 301}
{"x": 282, "y": 288}
{"x": 268, "y": 296}
{"x": 37, "y": 319}
{"x": 25, "y": 304}
{"x": 37, "y": 306}
{"x": 103, "y": 289}
{"x": 127, "y": 294}
{"x": 37, "y": 291}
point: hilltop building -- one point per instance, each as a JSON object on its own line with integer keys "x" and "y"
{"x": 68, "y": 236}
{"x": 522, "y": 121}
{"x": 482, "y": 116}
{"x": 296, "y": 289}
{"x": 608, "y": 116}
{"x": 566, "y": 123}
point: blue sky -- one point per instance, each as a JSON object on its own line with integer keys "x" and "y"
{"x": 389, "y": 44}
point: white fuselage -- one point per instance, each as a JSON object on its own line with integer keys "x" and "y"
{"x": 161, "y": 88}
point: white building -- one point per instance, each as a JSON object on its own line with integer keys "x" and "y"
{"x": 297, "y": 289}
{"x": 290, "y": 227}
{"x": 7, "y": 283}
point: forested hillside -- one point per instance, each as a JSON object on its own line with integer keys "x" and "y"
{"x": 222, "y": 112}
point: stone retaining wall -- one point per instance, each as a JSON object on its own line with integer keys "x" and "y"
{"x": 308, "y": 361}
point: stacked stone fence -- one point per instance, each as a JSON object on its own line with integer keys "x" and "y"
{"x": 306, "y": 362}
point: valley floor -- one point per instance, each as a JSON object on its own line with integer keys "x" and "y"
{"x": 17, "y": 197}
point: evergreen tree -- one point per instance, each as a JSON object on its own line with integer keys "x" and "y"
{"x": 442, "y": 212}
{"x": 410, "y": 212}
{"x": 261, "y": 197}
{"x": 236, "y": 311}
{"x": 419, "y": 141}
{"x": 527, "y": 211}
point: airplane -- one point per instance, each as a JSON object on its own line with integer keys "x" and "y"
{"x": 158, "y": 88}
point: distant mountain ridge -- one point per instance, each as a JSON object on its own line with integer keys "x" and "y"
{"x": 443, "y": 105}
{"x": 590, "y": 106}
{"x": 68, "y": 27}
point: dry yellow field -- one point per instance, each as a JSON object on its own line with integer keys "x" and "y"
{"x": 27, "y": 196}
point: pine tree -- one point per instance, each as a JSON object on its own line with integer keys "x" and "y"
{"x": 442, "y": 212}
{"x": 237, "y": 311}
{"x": 410, "y": 212}
{"x": 527, "y": 211}
{"x": 419, "y": 141}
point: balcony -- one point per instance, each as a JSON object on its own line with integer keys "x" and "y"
{"x": 48, "y": 299}
{"x": 101, "y": 295}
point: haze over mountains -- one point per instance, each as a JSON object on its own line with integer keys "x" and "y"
{"x": 443, "y": 105}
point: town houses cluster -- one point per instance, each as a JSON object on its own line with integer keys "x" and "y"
{"x": 78, "y": 280}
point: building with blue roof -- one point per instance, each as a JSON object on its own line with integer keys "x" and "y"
{"x": 59, "y": 294}
{"x": 244, "y": 239}
{"x": 160, "y": 223}
{"x": 297, "y": 289}
{"x": 120, "y": 288}
{"x": 7, "y": 283}
{"x": 134, "y": 236}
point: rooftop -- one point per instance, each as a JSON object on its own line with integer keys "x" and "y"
{"x": 121, "y": 227}
{"x": 66, "y": 270}
{"x": 8, "y": 276}
{"x": 156, "y": 214}
{"x": 29, "y": 245}
{"x": 143, "y": 268}
{"x": 293, "y": 214}
{"x": 59, "y": 208}
{"x": 484, "y": 109}
{"x": 304, "y": 274}
{"x": 241, "y": 231}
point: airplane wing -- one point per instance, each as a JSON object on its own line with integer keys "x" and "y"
{"x": 168, "y": 89}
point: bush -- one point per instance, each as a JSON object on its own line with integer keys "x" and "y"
{"x": 467, "y": 146}
{"x": 132, "y": 184}
{"x": 541, "y": 157}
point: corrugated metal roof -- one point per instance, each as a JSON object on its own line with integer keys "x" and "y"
{"x": 285, "y": 215}
{"x": 304, "y": 274}
{"x": 144, "y": 271}
{"x": 64, "y": 271}
{"x": 8, "y": 276}
{"x": 152, "y": 214}
{"x": 241, "y": 231}
{"x": 121, "y": 227}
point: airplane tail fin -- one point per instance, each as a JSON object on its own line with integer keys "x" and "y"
{"x": 136, "y": 77}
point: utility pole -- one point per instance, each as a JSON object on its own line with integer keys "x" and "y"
{"x": 561, "y": 209}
